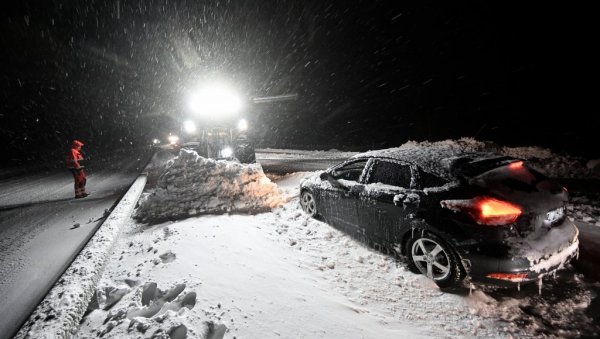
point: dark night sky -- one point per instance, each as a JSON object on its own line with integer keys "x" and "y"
{"x": 368, "y": 74}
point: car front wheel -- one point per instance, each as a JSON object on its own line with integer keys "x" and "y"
{"x": 308, "y": 203}
{"x": 432, "y": 257}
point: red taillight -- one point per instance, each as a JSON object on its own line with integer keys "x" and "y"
{"x": 516, "y": 165}
{"x": 498, "y": 212}
{"x": 514, "y": 277}
{"x": 485, "y": 210}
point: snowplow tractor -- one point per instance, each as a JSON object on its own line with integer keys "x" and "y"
{"x": 215, "y": 123}
{"x": 223, "y": 143}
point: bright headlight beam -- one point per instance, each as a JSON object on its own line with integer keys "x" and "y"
{"x": 215, "y": 100}
{"x": 226, "y": 152}
{"x": 242, "y": 125}
{"x": 173, "y": 139}
{"x": 189, "y": 126}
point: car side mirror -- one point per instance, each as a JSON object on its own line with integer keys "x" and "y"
{"x": 333, "y": 181}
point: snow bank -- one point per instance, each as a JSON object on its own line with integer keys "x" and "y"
{"x": 594, "y": 166}
{"x": 156, "y": 167}
{"x": 542, "y": 159}
{"x": 58, "y": 315}
{"x": 192, "y": 185}
{"x": 585, "y": 208}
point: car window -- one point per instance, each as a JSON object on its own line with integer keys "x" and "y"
{"x": 351, "y": 171}
{"x": 427, "y": 179}
{"x": 391, "y": 173}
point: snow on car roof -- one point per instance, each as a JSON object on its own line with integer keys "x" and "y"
{"x": 446, "y": 162}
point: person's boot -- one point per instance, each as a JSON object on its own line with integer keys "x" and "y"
{"x": 82, "y": 195}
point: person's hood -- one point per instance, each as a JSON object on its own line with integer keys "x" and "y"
{"x": 76, "y": 144}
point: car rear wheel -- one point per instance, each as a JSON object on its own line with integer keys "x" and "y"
{"x": 308, "y": 203}
{"x": 432, "y": 257}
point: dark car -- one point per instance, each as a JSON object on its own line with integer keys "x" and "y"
{"x": 451, "y": 214}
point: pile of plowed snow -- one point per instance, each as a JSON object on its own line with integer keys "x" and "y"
{"x": 192, "y": 185}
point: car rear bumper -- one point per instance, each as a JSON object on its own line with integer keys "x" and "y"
{"x": 531, "y": 258}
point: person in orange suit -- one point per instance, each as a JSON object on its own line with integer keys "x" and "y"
{"x": 74, "y": 159}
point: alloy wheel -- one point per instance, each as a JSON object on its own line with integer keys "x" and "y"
{"x": 431, "y": 258}
{"x": 308, "y": 203}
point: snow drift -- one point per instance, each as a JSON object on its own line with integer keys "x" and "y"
{"x": 192, "y": 185}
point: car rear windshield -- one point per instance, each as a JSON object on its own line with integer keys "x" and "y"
{"x": 515, "y": 175}
{"x": 471, "y": 167}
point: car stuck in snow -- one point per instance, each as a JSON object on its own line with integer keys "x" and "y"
{"x": 453, "y": 215}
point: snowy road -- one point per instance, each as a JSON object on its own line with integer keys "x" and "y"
{"x": 42, "y": 228}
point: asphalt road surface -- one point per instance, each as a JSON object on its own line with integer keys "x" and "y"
{"x": 43, "y": 228}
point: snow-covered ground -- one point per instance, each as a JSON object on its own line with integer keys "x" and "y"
{"x": 585, "y": 208}
{"x": 276, "y": 274}
{"x": 281, "y": 274}
{"x": 42, "y": 228}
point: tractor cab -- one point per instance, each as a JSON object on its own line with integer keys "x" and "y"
{"x": 215, "y": 127}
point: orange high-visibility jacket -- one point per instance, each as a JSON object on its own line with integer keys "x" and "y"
{"x": 74, "y": 156}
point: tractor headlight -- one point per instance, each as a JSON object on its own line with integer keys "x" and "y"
{"x": 226, "y": 152}
{"x": 189, "y": 126}
{"x": 242, "y": 125}
{"x": 173, "y": 139}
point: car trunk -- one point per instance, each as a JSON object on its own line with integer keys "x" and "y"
{"x": 541, "y": 200}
